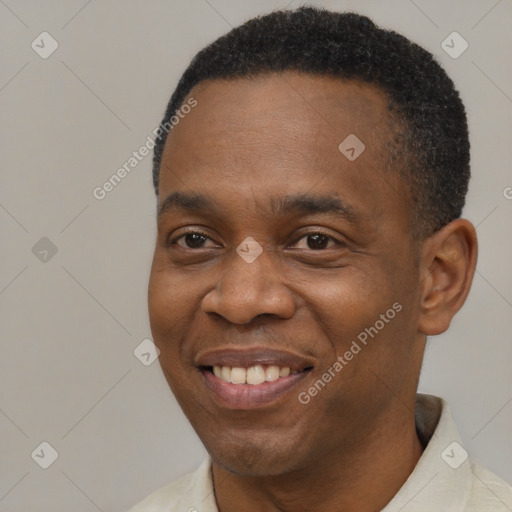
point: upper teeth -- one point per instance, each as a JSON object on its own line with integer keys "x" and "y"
{"x": 252, "y": 375}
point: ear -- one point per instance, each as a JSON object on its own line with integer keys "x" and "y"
{"x": 448, "y": 262}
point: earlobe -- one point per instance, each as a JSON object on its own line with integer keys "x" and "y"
{"x": 448, "y": 262}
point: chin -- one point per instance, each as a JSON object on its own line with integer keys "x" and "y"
{"x": 245, "y": 457}
{"x": 253, "y": 465}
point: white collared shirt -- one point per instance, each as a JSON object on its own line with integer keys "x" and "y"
{"x": 445, "y": 479}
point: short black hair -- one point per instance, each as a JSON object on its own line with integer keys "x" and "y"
{"x": 433, "y": 142}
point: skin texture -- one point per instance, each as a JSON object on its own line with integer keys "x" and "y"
{"x": 250, "y": 142}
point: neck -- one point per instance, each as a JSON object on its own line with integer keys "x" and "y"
{"x": 363, "y": 476}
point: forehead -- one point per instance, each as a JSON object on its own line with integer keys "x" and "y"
{"x": 278, "y": 102}
{"x": 281, "y": 132}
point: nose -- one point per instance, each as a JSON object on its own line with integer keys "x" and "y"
{"x": 248, "y": 290}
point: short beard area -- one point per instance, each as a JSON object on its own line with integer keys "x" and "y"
{"x": 281, "y": 450}
{"x": 260, "y": 454}
{"x": 286, "y": 458}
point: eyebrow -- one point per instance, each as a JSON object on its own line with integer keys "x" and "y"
{"x": 281, "y": 206}
{"x": 188, "y": 202}
{"x": 311, "y": 204}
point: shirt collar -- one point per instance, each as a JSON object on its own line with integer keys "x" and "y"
{"x": 442, "y": 478}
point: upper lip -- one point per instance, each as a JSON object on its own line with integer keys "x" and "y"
{"x": 244, "y": 358}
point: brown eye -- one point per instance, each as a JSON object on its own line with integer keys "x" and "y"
{"x": 194, "y": 240}
{"x": 190, "y": 240}
{"x": 316, "y": 241}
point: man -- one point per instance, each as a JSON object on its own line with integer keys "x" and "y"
{"x": 309, "y": 240}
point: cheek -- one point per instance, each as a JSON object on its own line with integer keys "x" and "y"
{"x": 168, "y": 313}
{"x": 174, "y": 304}
{"x": 168, "y": 328}
{"x": 347, "y": 302}
{"x": 160, "y": 298}
{"x": 169, "y": 293}
{"x": 365, "y": 317}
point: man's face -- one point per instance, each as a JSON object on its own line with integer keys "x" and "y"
{"x": 337, "y": 254}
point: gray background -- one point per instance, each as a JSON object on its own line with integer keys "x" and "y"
{"x": 70, "y": 324}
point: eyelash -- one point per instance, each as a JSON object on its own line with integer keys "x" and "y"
{"x": 189, "y": 232}
{"x": 197, "y": 232}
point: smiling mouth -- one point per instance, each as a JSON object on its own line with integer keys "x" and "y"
{"x": 253, "y": 375}
{"x": 253, "y": 386}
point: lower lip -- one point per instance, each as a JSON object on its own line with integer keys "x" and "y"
{"x": 249, "y": 396}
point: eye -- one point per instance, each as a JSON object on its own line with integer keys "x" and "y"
{"x": 317, "y": 241}
{"x": 190, "y": 240}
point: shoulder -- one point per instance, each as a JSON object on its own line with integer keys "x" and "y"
{"x": 180, "y": 493}
{"x": 489, "y": 492}
{"x": 165, "y": 497}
